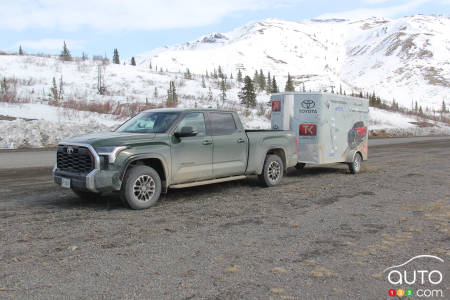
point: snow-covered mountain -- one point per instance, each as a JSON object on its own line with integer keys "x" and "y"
{"x": 407, "y": 59}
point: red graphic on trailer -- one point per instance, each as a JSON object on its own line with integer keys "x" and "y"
{"x": 357, "y": 134}
{"x": 308, "y": 129}
{"x": 276, "y": 105}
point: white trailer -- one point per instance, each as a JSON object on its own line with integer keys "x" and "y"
{"x": 330, "y": 128}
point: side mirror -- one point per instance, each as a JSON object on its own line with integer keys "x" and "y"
{"x": 185, "y": 132}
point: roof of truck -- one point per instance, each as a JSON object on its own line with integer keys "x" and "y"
{"x": 185, "y": 109}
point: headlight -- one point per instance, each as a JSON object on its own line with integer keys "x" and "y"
{"x": 110, "y": 152}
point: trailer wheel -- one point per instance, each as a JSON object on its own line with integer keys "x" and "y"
{"x": 272, "y": 171}
{"x": 355, "y": 165}
{"x": 300, "y": 166}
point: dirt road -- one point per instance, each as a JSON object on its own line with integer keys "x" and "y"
{"x": 322, "y": 233}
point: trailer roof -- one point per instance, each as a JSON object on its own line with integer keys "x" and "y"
{"x": 320, "y": 93}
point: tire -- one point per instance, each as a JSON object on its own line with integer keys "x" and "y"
{"x": 355, "y": 165}
{"x": 300, "y": 166}
{"x": 141, "y": 187}
{"x": 86, "y": 195}
{"x": 273, "y": 171}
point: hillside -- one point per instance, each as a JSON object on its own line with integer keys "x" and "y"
{"x": 407, "y": 59}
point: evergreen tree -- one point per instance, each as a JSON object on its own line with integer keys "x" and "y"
{"x": 116, "y": 59}
{"x": 65, "y": 53}
{"x": 4, "y": 89}
{"x": 206, "y": 74}
{"x": 255, "y": 80}
{"x": 340, "y": 89}
{"x": 261, "y": 81}
{"x": 274, "y": 86}
{"x": 268, "y": 84}
{"x": 203, "y": 82}
{"x": 20, "y": 50}
{"x": 247, "y": 94}
{"x": 61, "y": 89}
{"x": 210, "y": 95}
{"x": 54, "y": 91}
{"x": 239, "y": 76}
{"x": 416, "y": 108}
{"x": 133, "y": 61}
{"x": 223, "y": 90}
{"x": 289, "y": 84}
{"x": 84, "y": 56}
{"x": 220, "y": 73}
{"x": 444, "y": 108}
{"x": 150, "y": 65}
{"x": 172, "y": 97}
{"x": 187, "y": 74}
{"x": 155, "y": 93}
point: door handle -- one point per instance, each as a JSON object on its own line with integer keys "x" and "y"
{"x": 207, "y": 142}
{"x": 241, "y": 141}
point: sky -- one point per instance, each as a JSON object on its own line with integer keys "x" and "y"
{"x": 96, "y": 27}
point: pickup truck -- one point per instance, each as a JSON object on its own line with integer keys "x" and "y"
{"x": 160, "y": 149}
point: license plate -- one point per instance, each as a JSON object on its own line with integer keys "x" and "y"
{"x": 65, "y": 182}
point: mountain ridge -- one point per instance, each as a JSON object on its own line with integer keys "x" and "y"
{"x": 406, "y": 58}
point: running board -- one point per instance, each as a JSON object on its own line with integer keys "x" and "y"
{"x": 205, "y": 182}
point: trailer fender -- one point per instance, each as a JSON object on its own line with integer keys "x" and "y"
{"x": 351, "y": 154}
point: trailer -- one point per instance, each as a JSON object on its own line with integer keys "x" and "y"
{"x": 330, "y": 128}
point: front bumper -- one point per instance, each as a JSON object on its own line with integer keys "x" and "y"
{"x": 97, "y": 180}
{"x": 77, "y": 181}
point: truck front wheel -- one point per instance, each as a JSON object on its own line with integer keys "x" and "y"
{"x": 141, "y": 187}
{"x": 272, "y": 171}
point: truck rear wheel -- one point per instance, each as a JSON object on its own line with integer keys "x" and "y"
{"x": 355, "y": 165}
{"x": 141, "y": 187}
{"x": 272, "y": 170}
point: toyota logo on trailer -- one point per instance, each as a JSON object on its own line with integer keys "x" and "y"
{"x": 308, "y": 104}
{"x": 308, "y": 107}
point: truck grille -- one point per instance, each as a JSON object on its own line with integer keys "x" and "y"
{"x": 75, "y": 159}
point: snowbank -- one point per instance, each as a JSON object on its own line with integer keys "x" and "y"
{"x": 40, "y": 133}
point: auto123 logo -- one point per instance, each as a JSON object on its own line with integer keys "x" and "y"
{"x": 414, "y": 278}
{"x": 308, "y": 106}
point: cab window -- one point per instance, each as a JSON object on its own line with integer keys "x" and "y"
{"x": 196, "y": 121}
{"x": 222, "y": 123}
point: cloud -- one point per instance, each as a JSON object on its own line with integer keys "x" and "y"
{"x": 111, "y": 15}
{"x": 387, "y": 12}
{"x": 50, "y": 44}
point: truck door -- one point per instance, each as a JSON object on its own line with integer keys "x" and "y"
{"x": 192, "y": 156}
{"x": 230, "y": 145}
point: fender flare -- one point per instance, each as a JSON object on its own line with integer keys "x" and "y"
{"x": 138, "y": 157}
{"x": 351, "y": 154}
{"x": 270, "y": 148}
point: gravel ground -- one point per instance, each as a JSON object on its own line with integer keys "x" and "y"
{"x": 321, "y": 234}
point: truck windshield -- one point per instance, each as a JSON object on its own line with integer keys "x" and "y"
{"x": 149, "y": 122}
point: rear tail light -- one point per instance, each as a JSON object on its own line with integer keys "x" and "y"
{"x": 276, "y": 105}
{"x": 296, "y": 145}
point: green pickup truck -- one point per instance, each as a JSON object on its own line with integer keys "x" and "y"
{"x": 171, "y": 148}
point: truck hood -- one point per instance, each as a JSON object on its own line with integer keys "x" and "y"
{"x": 105, "y": 139}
